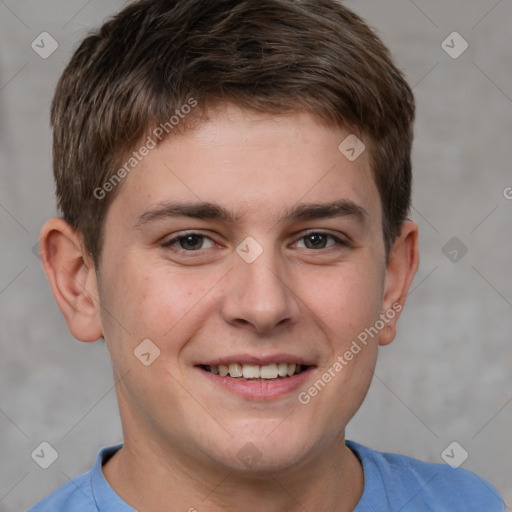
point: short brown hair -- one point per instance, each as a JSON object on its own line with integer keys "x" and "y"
{"x": 275, "y": 56}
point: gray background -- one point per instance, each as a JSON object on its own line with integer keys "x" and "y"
{"x": 447, "y": 377}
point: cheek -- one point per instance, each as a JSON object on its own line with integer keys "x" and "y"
{"x": 143, "y": 300}
{"x": 351, "y": 312}
{"x": 349, "y": 299}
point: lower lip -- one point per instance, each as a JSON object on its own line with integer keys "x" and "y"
{"x": 260, "y": 389}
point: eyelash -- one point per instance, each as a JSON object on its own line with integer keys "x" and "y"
{"x": 170, "y": 243}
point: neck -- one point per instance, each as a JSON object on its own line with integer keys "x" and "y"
{"x": 150, "y": 478}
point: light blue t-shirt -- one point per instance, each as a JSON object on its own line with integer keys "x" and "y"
{"x": 392, "y": 483}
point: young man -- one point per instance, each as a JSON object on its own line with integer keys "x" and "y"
{"x": 234, "y": 179}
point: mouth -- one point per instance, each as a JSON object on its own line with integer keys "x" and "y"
{"x": 273, "y": 371}
{"x": 272, "y": 379}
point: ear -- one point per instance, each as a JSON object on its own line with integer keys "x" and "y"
{"x": 400, "y": 271}
{"x": 72, "y": 277}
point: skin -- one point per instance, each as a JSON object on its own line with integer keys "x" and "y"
{"x": 182, "y": 433}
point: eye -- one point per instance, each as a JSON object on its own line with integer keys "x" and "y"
{"x": 194, "y": 242}
{"x": 318, "y": 240}
{"x": 190, "y": 242}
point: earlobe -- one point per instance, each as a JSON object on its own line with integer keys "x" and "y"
{"x": 72, "y": 277}
{"x": 400, "y": 272}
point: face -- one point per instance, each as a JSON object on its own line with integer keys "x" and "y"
{"x": 249, "y": 244}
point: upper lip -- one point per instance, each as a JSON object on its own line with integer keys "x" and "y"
{"x": 259, "y": 360}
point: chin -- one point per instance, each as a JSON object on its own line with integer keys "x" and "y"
{"x": 267, "y": 450}
{"x": 252, "y": 461}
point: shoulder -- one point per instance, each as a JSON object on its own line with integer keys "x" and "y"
{"x": 410, "y": 484}
{"x": 75, "y": 495}
{"x": 89, "y": 492}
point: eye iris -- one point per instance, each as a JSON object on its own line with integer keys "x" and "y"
{"x": 316, "y": 238}
{"x": 193, "y": 241}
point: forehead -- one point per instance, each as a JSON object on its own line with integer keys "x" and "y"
{"x": 256, "y": 165}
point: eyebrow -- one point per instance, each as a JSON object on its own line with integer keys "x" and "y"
{"x": 213, "y": 211}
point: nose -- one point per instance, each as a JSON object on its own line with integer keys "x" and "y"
{"x": 259, "y": 296}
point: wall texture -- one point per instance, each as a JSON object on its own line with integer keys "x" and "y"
{"x": 448, "y": 375}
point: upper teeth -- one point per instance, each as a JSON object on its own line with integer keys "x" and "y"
{"x": 254, "y": 371}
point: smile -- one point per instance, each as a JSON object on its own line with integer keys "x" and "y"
{"x": 255, "y": 371}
